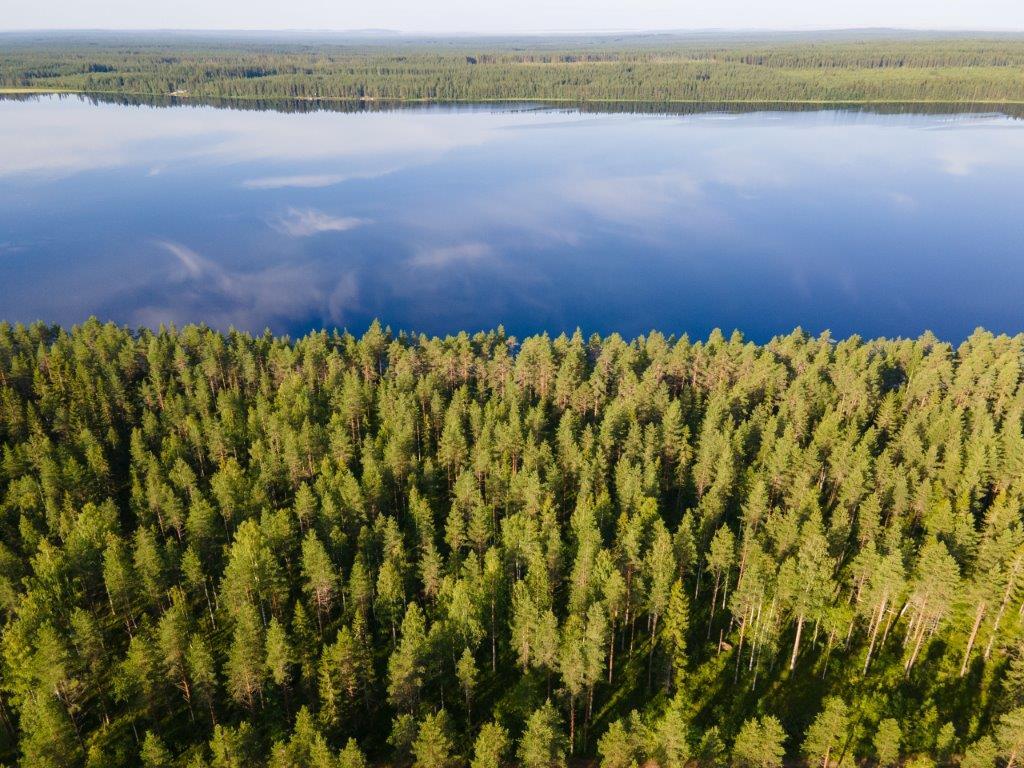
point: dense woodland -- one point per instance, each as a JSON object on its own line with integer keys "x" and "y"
{"x": 658, "y": 70}
{"x": 233, "y": 551}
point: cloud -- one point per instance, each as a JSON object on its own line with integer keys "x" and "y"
{"x": 314, "y": 180}
{"x": 343, "y": 299}
{"x": 902, "y": 200}
{"x": 10, "y": 248}
{"x": 305, "y": 222}
{"x": 635, "y": 198}
{"x": 311, "y": 181}
{"x": 452, "y": 254}
{"x": 222, "y": 296}
{"x": 194, "y": 264}
{"x": 109, "y": 136}
{"x": 958, "y": 163}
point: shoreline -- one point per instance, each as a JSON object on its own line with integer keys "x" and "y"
{"x": 513, "y": 100}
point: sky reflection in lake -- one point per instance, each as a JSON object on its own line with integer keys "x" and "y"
{"x": 441, "y": 219}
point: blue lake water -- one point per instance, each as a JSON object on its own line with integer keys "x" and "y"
{"x": 443, "y": 219}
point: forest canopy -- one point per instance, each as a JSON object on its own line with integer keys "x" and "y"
{"x": 231, "y": 550}
{"x": 657, "y": 68}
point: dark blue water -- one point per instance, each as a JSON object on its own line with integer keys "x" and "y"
{"x": 439, "y": 220}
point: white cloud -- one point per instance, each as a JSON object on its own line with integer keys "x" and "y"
{"x": 56, "y": 137}
{"x": 343, "y": 299}
{"x": 902, "y": 200}
{"x": 635, "y": 198}
{"x": 194, "y": 264}
{"x": 451, "y": 254}
{"x": 305, "y": 222}
{"x": 224, "y": 297}
{"x": 311, "y": 181}
{"x": 10, "y": 248}
{"x": 959, "y": 163}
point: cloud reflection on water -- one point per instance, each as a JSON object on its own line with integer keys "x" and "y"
{"x": 226, "y": 297}
{"x": 449, "y": 255}
{"x": 304, "y": 222}
{"x": 440, "y": 219}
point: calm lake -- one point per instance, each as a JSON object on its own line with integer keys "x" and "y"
{"x": 442, "y": 219}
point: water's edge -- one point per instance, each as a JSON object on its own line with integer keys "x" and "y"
{"x": 676, "y": 107}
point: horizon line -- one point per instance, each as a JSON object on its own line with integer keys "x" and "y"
{"x": 387, "y": 32}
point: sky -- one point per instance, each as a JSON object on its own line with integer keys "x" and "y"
{"x": 512, "y": 16}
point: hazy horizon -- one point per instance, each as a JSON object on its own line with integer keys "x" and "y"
{"x": 462, "y": 17}
{"x": 388, "y": 32}
{"x": 384, "y": 36}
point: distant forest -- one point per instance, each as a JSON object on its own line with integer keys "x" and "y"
{"x": 661, "y": 69}
{"x": 244, "y": 551}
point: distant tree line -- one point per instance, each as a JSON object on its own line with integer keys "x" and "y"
{"x": 601, "y": 107}
{"x": 236, "y": 551}
{"x": 952, "y": 70}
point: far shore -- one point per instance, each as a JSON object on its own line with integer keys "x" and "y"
{"x": 535, "y": 99}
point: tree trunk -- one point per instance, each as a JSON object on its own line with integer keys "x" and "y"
{"x": 739, "y": 648}
{"x": 757, "y": 635}
{"x": 650, "y": 658}
{"x": 796, "y": 641}
{"x": 889, "y": 623}
{"x": 209, "y": 605}
{"x": 974, "y": 634}
{"x": 828, "y": 653}
{"x": 611, "y": 652}
{"x": 917, "y": 646}
{"x": 494, "y": 640}
{"x": 714, "y": 603}
{"x": 572, "y": 724}
{"x": 1010, "y": 583}
{"x": 874, "y": 634}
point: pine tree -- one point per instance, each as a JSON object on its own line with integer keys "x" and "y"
{"x": 433, "y": 746}
{"x": 826, "y": 738}
{"x": 1010, "y": 736}
{"x": 886, "y": 742}
{"x": 677, "y": 625}
{"x": 405, "y": 666}
{"x": 542, "y": 744}
{"x": 572, "y": 665}
{"x": 466, "y": 671}
{"x": 246, "y": 663}
{"x": 616, "y": 747}
{"x": 173, "y": 640}
{"x": 491, "y": 748}
{"x": 673, "y": 737}
{"x": 759, "y": 744}
{"x": 154, "y": 752}
{"x": 983, "y": 753}
{"x": 280, "y": 656}
{"x": 351, "y": 756}
{"x": 319, "y": 575}
{"x": 202, "y": 672}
